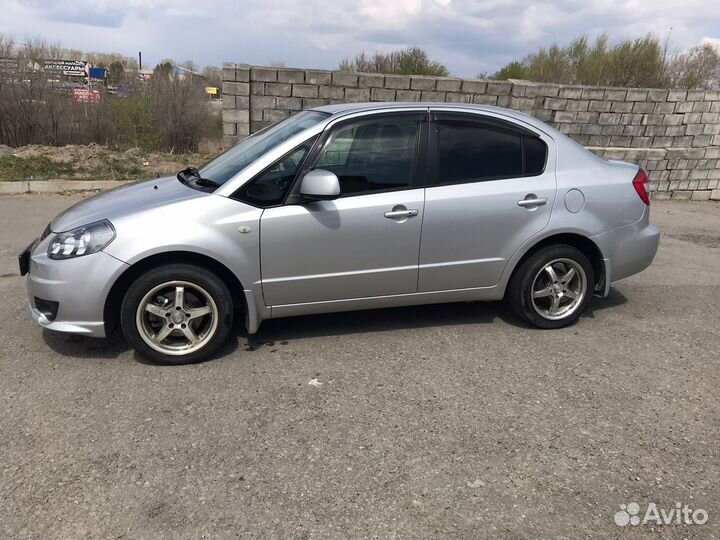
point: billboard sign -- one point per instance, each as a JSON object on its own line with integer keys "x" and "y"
{"x": 70, "y": 68}
{"x": 83, "y": 95}
{"x": 8, "y": 64}
{"x": 97, "y": 73}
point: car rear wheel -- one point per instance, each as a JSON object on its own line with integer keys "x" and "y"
{"x": 177, "y": 314}
{"x": 552, "y": 287}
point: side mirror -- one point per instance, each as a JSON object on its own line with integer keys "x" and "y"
{"x": 320, "y": 185}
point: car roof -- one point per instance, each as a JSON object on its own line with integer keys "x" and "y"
{"x": 341, "y": 109}
{"x": 347, "y": 108}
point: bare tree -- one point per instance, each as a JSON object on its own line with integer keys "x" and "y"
{"x": 697, "y": 68}
{"x": 7, "y": 45}
{"x": 37, "y": 106}
{"x": 212, "y": 75}
{"x": 180, "y": 111}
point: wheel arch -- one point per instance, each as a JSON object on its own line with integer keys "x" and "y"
{"x": 113, "y": 301}
{"x": 583, "y": 243}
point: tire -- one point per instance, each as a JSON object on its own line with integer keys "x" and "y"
{"x": 533, "y": 291}
{"x": 167, "y": 333}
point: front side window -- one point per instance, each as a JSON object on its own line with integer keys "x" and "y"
{"x": 227, "y": 165}
{"x": 472, "y": 151}
{"x": 270, "y": 186}
{"x": 372, "y": 155}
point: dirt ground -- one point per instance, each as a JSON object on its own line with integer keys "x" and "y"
{"x": 94, "y": 162}
{"x": 447, "y": 421}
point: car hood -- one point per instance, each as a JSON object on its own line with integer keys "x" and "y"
{"x": 124, "y": 200}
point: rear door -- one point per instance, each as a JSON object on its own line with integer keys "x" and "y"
{"x": 366, "y": 242}
{"x": 490, "y": 186}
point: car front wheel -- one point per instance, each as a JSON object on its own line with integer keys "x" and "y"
{"x": 552, "y": 287}
{"x": 177, "y": 314}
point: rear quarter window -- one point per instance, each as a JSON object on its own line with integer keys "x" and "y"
{"x": 535, "y": 151}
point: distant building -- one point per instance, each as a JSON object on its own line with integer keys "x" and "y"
{"x": 181, "y": 72}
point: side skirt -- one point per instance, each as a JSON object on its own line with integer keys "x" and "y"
{"x": 354, "y": 304}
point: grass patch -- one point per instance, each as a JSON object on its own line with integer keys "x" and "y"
{"x": 17, "y": 169}
{"x": 113, "y": 169}
{"x": 91, "y": 163}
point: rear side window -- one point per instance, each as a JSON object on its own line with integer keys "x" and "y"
{"x": 472, "y": 151}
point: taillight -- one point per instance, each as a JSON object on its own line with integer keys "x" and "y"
{"x": 641, "y": 183}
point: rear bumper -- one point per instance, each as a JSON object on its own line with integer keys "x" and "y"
{"x": 629, "y": 249}
{"x": 79, "y": 286}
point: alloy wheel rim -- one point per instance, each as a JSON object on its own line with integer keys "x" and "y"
{"x": 177, "y": 318}
{"x": 559, "y": 289}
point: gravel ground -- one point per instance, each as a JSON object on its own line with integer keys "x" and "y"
{"x": 443, "y": 421}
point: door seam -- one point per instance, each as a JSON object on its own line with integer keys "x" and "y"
{"x": 262, "y": 287}
{"x": 422, "y": 224}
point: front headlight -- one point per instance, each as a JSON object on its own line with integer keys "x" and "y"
{"x": 81, "y": 241}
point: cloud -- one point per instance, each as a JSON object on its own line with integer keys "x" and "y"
{"x": 470, "y": 36}
{"x": 394, "y": 14}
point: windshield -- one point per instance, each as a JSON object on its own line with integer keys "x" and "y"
{"x": 227, "y": 165}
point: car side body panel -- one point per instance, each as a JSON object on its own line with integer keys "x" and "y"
{"x": 220, "y": 228}
{"x": 346, "y": 248}
{"x": 471, "y": 230}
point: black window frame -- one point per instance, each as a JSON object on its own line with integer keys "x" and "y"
{"x": 239, "y": 192}
{"x": 417, "y": 177}
{"x": 487, "y": 122}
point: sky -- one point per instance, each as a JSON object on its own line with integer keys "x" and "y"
{"x": 469, "y": 36}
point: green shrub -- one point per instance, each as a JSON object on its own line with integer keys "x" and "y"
{"x": 634, "y": 63}
{"x": 409, "y": 61}
{"x": 132, "y": 117}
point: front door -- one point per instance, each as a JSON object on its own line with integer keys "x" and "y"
{"x": 366, "y": 242}
{"x": 491, "y": 187}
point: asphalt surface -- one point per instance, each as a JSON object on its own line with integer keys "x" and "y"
{"x": 449, "y": 421}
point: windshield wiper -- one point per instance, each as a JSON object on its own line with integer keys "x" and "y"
{"x": 199, "y": 180}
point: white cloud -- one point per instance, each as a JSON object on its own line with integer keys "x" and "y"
{"x": 390, "y": 14}
{"x": 470, "y": 36}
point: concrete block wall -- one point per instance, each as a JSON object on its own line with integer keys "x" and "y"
{"x": 673, "y": 134}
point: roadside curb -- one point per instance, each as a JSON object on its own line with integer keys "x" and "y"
{"x": 58, "y": 186}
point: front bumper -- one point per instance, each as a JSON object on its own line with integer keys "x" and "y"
{"x": 79, "y": 285}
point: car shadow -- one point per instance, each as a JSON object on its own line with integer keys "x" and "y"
{"x": 400, "y": 318}
{"x": 613, "y": 299}
{"x": 326, "y": 325}
{"x": 379, "y": 320}
{"x": 79, "y": 346}
{"x": 229, "y": 347}
{"x": 111, "y": 347}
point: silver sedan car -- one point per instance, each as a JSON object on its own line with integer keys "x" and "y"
{"x": 346, "y": 207}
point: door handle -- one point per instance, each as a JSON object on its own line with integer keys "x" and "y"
{"x": 394, "y": 214}
{"x": 532, "y": 201}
